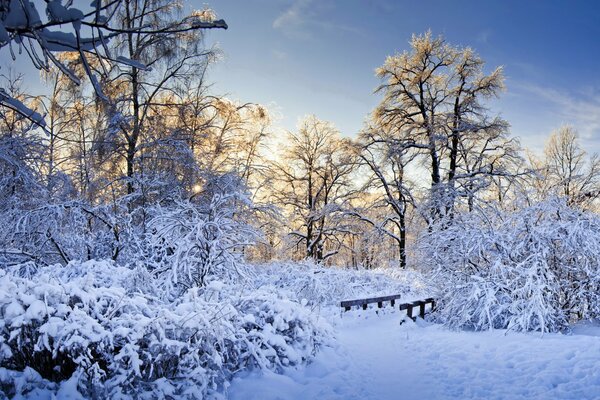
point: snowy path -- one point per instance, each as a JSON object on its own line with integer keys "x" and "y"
{"x": 377, "y": 359}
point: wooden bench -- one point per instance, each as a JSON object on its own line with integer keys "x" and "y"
{"x": 364, "y": 303}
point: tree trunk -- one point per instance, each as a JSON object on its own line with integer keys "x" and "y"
{"x": 402, "y": 242}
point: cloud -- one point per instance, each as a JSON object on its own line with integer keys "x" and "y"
{"x": 279, "y": 55}
{"x": 484, "y": 36}
{"x": 294, "y": 17}
{"x": 303, "y": 17}
{"x": 579, "y": 108}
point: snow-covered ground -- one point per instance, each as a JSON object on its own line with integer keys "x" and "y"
{"x": 377, "y": 358}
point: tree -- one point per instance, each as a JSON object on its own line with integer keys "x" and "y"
{"x": 21, "y": 22}
{"x": 222, "y": 134}
{"x": 22, "y": 162}
{"x": 83, "y": 125}
{"x": 433, "y": 104}
{"x": 568, "y": 168}
{"x": 387, "y": 158}
{"x": 313, "y": 185}
{"x": 168, "y": 53}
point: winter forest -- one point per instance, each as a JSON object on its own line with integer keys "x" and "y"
{"x": 160, "y": 240}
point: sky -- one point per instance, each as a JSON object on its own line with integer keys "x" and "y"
{"x": 319, "y": 56}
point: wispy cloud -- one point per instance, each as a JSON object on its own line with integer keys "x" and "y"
{"x": 294, "y": 16}
{"x": 279, "y": 55}
{"x": 484, "y": 36}
{"x": 303, "y": 17}
{"x": 294, "y": 20}
{"x": 580, "y": 108}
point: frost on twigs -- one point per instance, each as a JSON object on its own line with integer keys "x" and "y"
{"x": 322, "y": 287}
{"x": 199, "y": 239}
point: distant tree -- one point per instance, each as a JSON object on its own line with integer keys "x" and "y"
{"x": 224, "y": 135}
{"x": 569, "y": 168}
{"x": 387, "y": 158}
{"x": 313, "y": 185}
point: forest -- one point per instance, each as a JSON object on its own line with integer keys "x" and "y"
{"x": 158, "y": 239}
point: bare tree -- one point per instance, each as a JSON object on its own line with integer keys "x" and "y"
{"x": 387, "y": 158}
{"x": 568, "y": 170}
{"x": 313, "y": 185}
{"x": 168, "y": 53}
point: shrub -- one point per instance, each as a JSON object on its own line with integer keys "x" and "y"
{"x": 534, "y": 269}
{"x": 91, "y": 327}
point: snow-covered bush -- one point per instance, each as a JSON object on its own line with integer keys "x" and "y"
{"x": 535, "y": 269}
{"x": 50, "y": 232}
{"x": 196, "y": 240}
{"x": 100, "y": 329}
{"x": 320, "y": 286}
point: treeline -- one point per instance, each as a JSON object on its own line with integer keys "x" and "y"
{"x": 144, "y": 164}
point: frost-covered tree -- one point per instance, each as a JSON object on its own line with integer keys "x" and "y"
{"x": 62, "y": 27}
{"x": 223, "y": 134}
{"x": 313, "y": 185}
{"x": 568, "y": 169}
{"x": 433, "y": 103}
{"x": 22, "y": 162}
{"x": 80, "y": 166}
{"x": 168, "y": 51}
{"x": 387, "y": 159}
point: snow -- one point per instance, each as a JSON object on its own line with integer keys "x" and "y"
{"x": 533, "y": 269}
{"x": 112, "y": 337}
{"x": 18, "y": 106}
{"x": 377, "y": 358}
{"x": 263, "y": 333}
{"x": 132, "y": 63}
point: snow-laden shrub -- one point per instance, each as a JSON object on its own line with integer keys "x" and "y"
{"x": 535, "y": 269}
{"x": 49, "y": 233}
{"x": 322, "y": 286}
{"x": 198, "y": 240}
{"x": 100, "y": 328}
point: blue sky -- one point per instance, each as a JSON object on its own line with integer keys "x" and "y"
{"x": 319, "y": 56}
